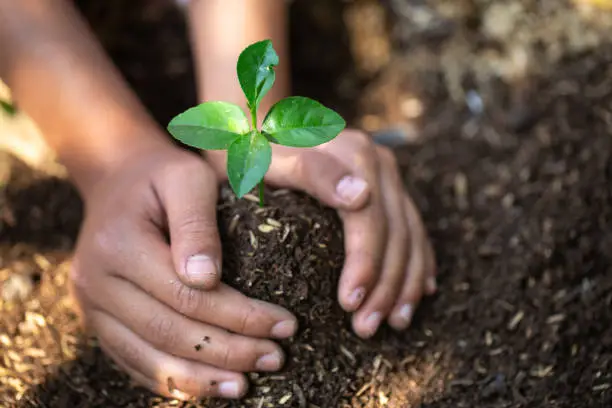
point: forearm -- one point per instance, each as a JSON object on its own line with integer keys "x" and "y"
{"x": 60, "y": 77}
{"x": 221, "y": 29}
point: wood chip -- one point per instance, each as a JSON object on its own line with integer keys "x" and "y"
{"x": 554, "y": 319}
{"x": 285, "y": 233}
{"x": 251, "y": 197}
{"x": 542, "y": 372}
{"x": 13, "y": 355}
{"x": 265, "y": 228}
{"x": 253, "y": 240}
{"x": 36, "y": 318}
{"x": 35, "y": 353}
{"x": 273, "y": 222}
{"x": 488, "y": 338}
{"x": 6, "y": 340}
{"x": 363, "y": 390}
{"x": 285, "y": 398}
{"x": 461, "y": 190}
{"x": 382, "y": 398}
{"x": 17, "y": 288}
{"x": 601, "y": 387}
{"x": 516, "y": 320}
{"x": 348, "y": 354}
{"x": 42, "y": 262}
{"x": 234, "y": 224}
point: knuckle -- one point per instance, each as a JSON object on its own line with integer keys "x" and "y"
{"x": 194, "y": 223}
{"x": 361, "y": 139}
{"x": 248, "y": 319}
{"x": 188, "y": 301}
{"x": 302, "y": 164}
{"x": 224, "y": 356}
{"x": 78, "y": 278}
{"x": 160, "y": 331}
{"x": 387, "y": 156}
{"x": 191, "y": 381}
{"x": 413, "y": 292}
{"x": 128, "y": 352}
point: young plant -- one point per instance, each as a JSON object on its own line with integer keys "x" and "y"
{"x": 294, "y": 121}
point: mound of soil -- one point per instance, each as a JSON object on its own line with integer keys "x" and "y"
{"x": 291, "y": 253}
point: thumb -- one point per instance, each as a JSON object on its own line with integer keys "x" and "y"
{"x": 188, "y": 193}
{"x": 320, "y": 175}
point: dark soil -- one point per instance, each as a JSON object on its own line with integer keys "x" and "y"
{"x": 517, "y": 199}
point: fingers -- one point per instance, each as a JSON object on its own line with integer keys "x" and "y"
{"x": 379, "y": 303}
{"x": 163, "y": 373}
{"x": 420, "y": 273}
{"x": 151, "y": 270}
{"x": 174, "y": 333}
{"x": 186, "y": 195}
{"x": 366, "y": 229}
{"x": 320, "y": 175}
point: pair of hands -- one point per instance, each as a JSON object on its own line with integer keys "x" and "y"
{"x": 149, "y": 302}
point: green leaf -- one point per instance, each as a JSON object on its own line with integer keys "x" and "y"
{"x": 8, "y": 108}
{"x": 256, "y": 71}
{"x": 301, "y": 122}
{"x": 248, "y": 160}
{"x": 210, "y": 125}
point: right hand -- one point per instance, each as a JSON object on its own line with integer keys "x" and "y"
{"x": 134, "y": 293}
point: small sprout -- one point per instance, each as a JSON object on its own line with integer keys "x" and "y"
{"x": 295, "y": 121}
{"x": 197, "y": 347}
{"x": 206, "y": 339}
{"x": 213, "y": 383}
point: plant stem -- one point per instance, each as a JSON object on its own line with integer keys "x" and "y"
{"x": 254, "y": 118}
{"x": 261, "y": 194}
{"x": 254, "y": 125}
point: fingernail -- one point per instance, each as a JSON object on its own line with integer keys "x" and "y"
{"x": 269, "y": 362}
{"x": 372, "y": 323}
{"x": 200, "y": 269}
{"x": 350, "y": 188}
{"x": 284, "y": 329}
{"x": 431, "y": 286}
{"x": 405, "y": 315}
{"x": 356, "y": 298}
{"x": 229, "y": 389}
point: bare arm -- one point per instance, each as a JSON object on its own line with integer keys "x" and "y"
{"x": 221, "y": 29}
{"x": 61, "y": 78}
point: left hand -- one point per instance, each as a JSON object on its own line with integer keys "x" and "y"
{"x": 390, "y": 262}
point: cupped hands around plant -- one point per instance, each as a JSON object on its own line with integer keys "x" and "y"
{"x": 390, "y": 263}
{"x": 294, "y": 121}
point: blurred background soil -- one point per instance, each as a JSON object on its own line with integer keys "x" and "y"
{"x": 501, "y": 111}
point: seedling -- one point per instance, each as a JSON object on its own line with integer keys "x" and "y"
{"x": 295, "y": 121}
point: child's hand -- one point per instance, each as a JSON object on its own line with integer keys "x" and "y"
{"x": 154, "y": 322}
{"x": 389, "y": 260}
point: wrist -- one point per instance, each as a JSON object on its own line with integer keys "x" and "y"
{"x": 91, "y": 163}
